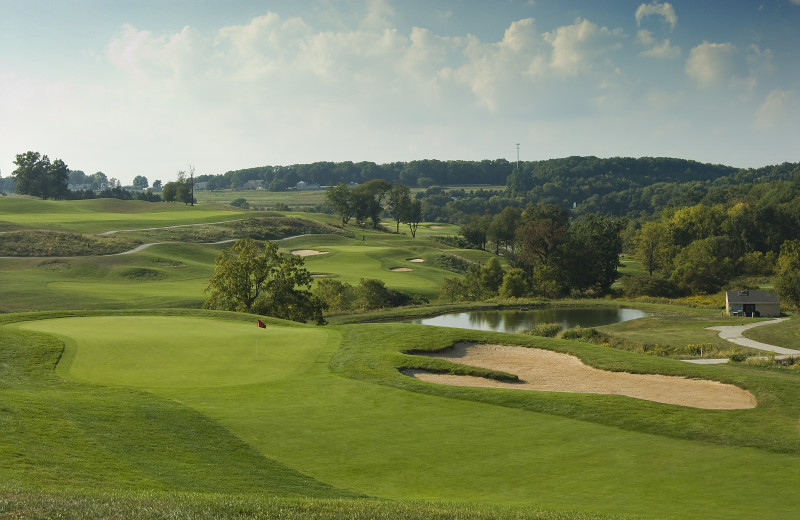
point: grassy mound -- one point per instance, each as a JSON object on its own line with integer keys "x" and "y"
{"x": 54, "y": 243}
{"x": 67, "y": 434}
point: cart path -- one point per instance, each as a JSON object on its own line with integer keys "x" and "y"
{"x": 733, "y": 333}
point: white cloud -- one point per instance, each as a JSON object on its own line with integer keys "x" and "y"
{"x": 655, "y": 50}
{"x": 776, "y": 108}
{"x": 666, "y": 10}
{"x": 711, "y": 63}
{"x": 577, "y": 47}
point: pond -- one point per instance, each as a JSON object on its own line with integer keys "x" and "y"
{"x": 521, "y": 320}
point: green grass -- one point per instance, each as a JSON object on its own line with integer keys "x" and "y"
{"x": 100, "y": 215}
{"x": 169, "y": 413}
{"x": 379, "y": 433}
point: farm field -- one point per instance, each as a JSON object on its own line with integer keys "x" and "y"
{"x": 116, "y": 391}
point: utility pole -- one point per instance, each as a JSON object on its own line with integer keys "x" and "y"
{"x": 517, "y": 158}
{"x": 191, "y": 180}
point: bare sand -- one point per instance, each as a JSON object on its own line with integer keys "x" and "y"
{"x": 417, "y": 260}
{"x": 544, "y": 370}
{"x": 401, "y": 269}
{"x": 308, "y": 252}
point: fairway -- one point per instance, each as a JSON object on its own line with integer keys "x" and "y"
{"x": 153, "y": 351}
{"x": 391, "y": 443}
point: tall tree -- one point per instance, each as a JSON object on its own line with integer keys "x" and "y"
{"x": 787, "y": 279}
{"x": 399, "y": 203}
{"x": 503, "y": 227}
{"x": 36, "y": 175}
{"x": 140, "y": 181}
{"x": 249, "y": 278}
{"x": 595, "y": 243}
{"x": 414, "y": 217}
{"x": 340, "y": 199}
{"x": 653, "y": 246}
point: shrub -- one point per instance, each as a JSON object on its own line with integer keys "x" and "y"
{"x": 453, "y": 263}
{"x": 637, "y": 286}
{"x": 240, "y": 203}
{"x": 738, "y": 357}
{"x": 547, "y": 330}
{"x": 590, "y": 335}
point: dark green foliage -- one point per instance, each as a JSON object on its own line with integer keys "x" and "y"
{"x": 704, "y": 266}
{"x": 547, "y": 330}
{"x": 370, "y": 294}
{"x": 140, "y": 181}
{"x": 589, "y": 335}
{"x": 240, "y": 203}
{"x": 453, "y": 262}
{"x": 787, "y": 283}
{"x": 636, "y": 286}
{"x": 248, "y": 278}
{"x": 36, "y": 175}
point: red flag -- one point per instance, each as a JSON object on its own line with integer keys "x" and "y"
{"x": 261, "y": 324}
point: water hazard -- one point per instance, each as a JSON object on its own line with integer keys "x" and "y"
{"x": 521, "y": 320}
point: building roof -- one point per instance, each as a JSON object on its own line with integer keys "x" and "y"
{"x": 751, "y": 297}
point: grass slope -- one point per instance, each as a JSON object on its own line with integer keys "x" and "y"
{"x": 379, "y": 433}
{"x": 63, "y": 435}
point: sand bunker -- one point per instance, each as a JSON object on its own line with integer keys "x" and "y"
{"x": 308, "y": 252}
{"x": 417, "y": 260}
{"x": 401, "y": 269}
{"x": 554, "y": 372}
{"x": 434, "y": 227}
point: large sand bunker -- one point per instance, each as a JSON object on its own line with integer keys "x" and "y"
{"x": 401, "y": 269}
{"x": 554, "y": 372}
{"x": 308, "y": 252}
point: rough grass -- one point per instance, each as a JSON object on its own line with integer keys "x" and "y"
{"x": 157, "y": 506}
{"x": 52, "y": 243}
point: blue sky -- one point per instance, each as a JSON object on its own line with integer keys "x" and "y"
{"x": 149, "y": 87}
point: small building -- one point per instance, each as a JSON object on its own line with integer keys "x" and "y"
{"x": 754, "y": 304}
{"x": 253, "y": 185}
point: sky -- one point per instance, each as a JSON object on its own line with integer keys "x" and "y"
{"x": 152, "y": 87}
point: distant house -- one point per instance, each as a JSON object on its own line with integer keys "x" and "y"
{"x": 752, "y": 303}
{"x": 253, "y": 185}
{"x": 200, "y": 185}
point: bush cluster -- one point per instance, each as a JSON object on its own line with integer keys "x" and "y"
{"x": 369, "y": 294}
{"x": 547, "y": 330}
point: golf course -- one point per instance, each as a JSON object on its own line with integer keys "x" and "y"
{"x": 120, "y": 396}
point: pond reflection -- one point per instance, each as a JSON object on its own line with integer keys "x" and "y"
{"x": 522, "y": 320}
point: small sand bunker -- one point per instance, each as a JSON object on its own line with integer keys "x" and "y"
{"x": 554, "y": 372}
{"x": 401, "y": 269}
{"x": 434, "y": 227}
{"x": 417, "y": 260}
{"x": 308, "y": 252}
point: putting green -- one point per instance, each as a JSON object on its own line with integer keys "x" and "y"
{"x": 175, "y": 352}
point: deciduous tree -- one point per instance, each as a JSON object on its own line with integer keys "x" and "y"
{"x": 140, "y": 181}
{"x": 36, "y": 175}
{"x": 249, "y": 278}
